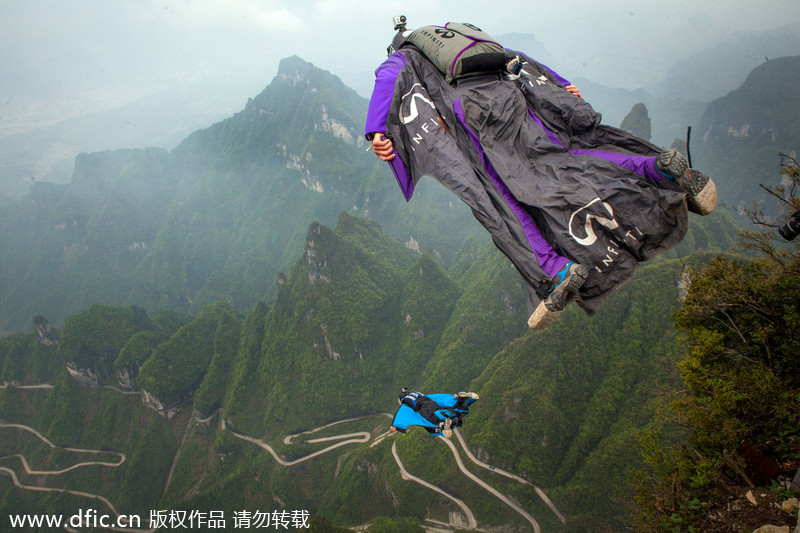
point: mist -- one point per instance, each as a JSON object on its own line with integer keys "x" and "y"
{"x": 169, "y": 67}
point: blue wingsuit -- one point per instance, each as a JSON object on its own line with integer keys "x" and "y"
{"x": 428, "y": 411}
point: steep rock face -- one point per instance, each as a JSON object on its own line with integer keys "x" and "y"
{"x": 249, "y": 184}
{"x": 85, "y": 376}
{"x": 215, "y": 219}
{"x": 151, "y": 402}
{"x": 177, "y": 367}
{"x": 65, "y": 247}
{"x": 125, "y": 379}
{"x": 44, "y": 332}
{"x": 91, "y": 341}
{"x": 570, "y": 396}
{"x": 637, "y": 122}
{"x": 337, "y": 328}
{"x": 740, "y": 136}
{"x": 755, "y": 113}
{"x": 358, "y": 316}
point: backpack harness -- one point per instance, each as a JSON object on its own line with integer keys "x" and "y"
{"x": 459, "y": 50}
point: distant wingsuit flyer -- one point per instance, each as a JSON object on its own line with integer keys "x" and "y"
{"x": 574, "y": 204}
{"x": 437, "y": 413}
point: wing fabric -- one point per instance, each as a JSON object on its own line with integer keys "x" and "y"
{"x": 406, "y": 416}
{"x": 547, "y": 180}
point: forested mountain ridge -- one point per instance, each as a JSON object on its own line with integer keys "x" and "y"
{"x": 218, "y": 217}
{"x": 356, "y": 314}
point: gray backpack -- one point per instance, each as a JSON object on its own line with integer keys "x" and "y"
{"x": 459, "y": 50}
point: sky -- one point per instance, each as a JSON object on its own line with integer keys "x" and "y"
{"x": 67, "y": 57}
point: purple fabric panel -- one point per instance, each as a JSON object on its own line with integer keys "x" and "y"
{"x": 385, "y": 81}
{"x": 552, "y": 137}
{"x": 550, "y": 262}
{"x": 556, "y": 75}
{"x": 642, "y": 165}
{"x": 379, "y": 106}
{"x": 401, "y": 175}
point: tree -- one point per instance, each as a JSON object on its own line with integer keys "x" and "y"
{"x": 741, "y": 325}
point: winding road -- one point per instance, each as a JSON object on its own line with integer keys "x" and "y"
{"x": 44, "y": 439}
{"x": 26, "y": 387}
{"x": 471, "y": 522}
{"x": 360, "y": 437}
{"x": 491, "y": 490}
{"x": 83, "y": 494}
{"x": 363, "y": 437}
{"x": 515, "y": 477}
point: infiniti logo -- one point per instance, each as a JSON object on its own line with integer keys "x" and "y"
{"x": 583, "y": 219}
{"x": 412, "y": 112}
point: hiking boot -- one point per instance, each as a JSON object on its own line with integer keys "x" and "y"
{"x": 569, "y": 280}
{"x": 446, "y": 431}
{"x": 468, "y": 395}
{"x": 702, "y": 189}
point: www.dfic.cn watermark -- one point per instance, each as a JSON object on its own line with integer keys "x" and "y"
{"x": 167, "y": 519}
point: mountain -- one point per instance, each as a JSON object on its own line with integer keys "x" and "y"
{"x": 216, "y": 218}
{"x": 736, "y": 139}
{"x": 220, "y": 216}
{"x": 233, "y": 319}
{"x": 713, "y": 72}
{"x": 528, "y": 44}
{"x": 739, "y": 137}
{"x": 637, "y": 122}
{"x": 47, "y": 152}
{"x": 357, "y": 314}
{"x": 670, "y": 116}
{"x": 192, "y": 401}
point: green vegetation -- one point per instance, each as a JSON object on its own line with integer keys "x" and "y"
{"x": 302, "y": 312}
{"x": 740, "y": 323}
{"x": 356, "y": 318}
{"x": 177, "y": 367}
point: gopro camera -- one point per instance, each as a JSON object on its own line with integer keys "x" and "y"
{"x": 399, "y": 22}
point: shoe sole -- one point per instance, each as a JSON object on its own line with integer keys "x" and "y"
{"x": 673, "y": 163}
{"x": 702, "y": 189}
{"x": 705, "y": 200}
{"x": 542, "y": 317}
{"x": 447, "y": 432}
{"x": 557, "y": 300}
{"x": 551, "y": 307}
{"x": 472, "y": 395}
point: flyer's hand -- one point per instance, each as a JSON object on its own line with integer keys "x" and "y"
{"x": 382, "y": 147}
{"x": 574, "y": 90}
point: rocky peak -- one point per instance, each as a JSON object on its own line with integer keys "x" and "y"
{"x": 294, "y": 70}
